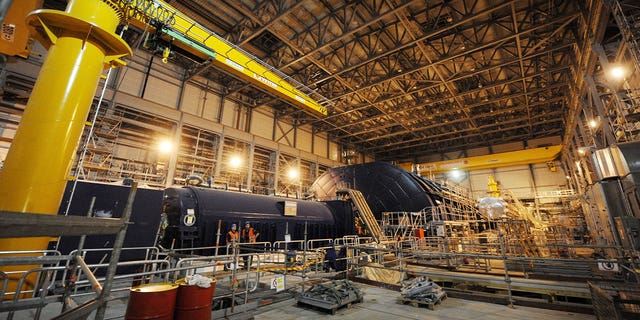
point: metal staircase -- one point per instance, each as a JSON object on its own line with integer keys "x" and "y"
{"x": 364, "y": 212}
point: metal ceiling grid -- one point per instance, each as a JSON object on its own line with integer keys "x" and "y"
{"x": 413, "y": 77}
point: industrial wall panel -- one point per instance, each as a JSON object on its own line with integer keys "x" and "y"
{"x": 547, "y": 178}
{"x": 266, "y": 143}
{"x": 284, "y": 133}
{"x": 328, "y": 162}
{"x": 229, "y": 113}
{"x": 130, "y": 153}
{"x": 131, "y": 81}
{"x": 135, "y": 103}
{"x": 198, "y": 122}
{"x": 243, "y": 114}
{"x": 236, "y": 134}
{"x": 191, "y": 99}
{"x": 261, "y": 125}
{"x": 515, "y": 178}
{"x": 210, "y": 106}
{"x": 30, "y": 70}
{"x": 162, "y": 92}
{"x": 303, "y": 140}
{"x": 288, "y": 150}
{"x": 308, "y": 156}
{"x": 169, "y": 72}
{"x": 320, "y": 146}
{"x": 334, "y": 151}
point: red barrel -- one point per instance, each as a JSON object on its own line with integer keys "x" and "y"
{"x": 193, "y": 302}
{"x": 152, "y": 301}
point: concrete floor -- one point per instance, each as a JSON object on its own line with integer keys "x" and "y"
{"x": 381, "y": 304}
{"x": 378, "y": 303}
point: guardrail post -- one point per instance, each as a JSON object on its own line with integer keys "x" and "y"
{"x": 115, "y": 255}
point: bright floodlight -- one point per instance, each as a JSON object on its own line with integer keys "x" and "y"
{"x": 455, "y": 174}
{"x": 618, "y": 72}
{"x": 293, "y": 173}
{"x": 235, "y": 162}
{"x": 593, "y": 124}
{"x": 165, "y": 146}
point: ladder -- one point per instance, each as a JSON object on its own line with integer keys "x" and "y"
{"x": 365, "y": 213}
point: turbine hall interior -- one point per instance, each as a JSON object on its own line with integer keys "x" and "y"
{"x": 294, "y": 159}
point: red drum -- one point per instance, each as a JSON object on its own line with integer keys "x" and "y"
{"x": 193, "y": 302}
{"x": 152, "y": 301}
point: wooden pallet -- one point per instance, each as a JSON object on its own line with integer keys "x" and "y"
{"x": 420, "y": 303}
{"x": 332, "y": 308}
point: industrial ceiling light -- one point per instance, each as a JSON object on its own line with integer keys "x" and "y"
{"x": 235, "y": 162}
{"x": 165, "y": 146}
{"x": 455, "y": 174}
{"x": 618, "y": 72}
{"x": 593, "y": 123}
{"x": 293, "y": 173}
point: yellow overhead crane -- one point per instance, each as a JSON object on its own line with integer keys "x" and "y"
{"x": 181, "y": 31}
{"x": 491, "y": 161}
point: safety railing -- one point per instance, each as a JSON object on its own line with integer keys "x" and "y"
{"x": 319, "y": 243}
{"x": 57, "y": 267}
{"x": 262, "y": 246}
{"x": 26, "y": 258}
{"x": 205, "y": 265}
{"x": 149, "y": 252}
{"x": 285, "y": 245}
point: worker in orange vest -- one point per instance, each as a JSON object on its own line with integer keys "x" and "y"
{"x": 233, "y": 236}
{"x": 249, "y": 235}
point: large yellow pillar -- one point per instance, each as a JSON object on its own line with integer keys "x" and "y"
{"x": 81, "y": 42}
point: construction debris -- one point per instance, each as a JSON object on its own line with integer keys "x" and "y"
{"x": 422, "y": 291}
{"x": 331, "y": 295}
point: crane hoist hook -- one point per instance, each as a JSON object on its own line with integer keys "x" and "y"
{"x": 165, "y": 54}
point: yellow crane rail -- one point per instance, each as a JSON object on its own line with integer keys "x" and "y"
{"x": 491, "y": 161}
{"x": 196, "y": 39}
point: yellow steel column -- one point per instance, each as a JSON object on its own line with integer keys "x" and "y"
{"x": 81, "y": 43}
